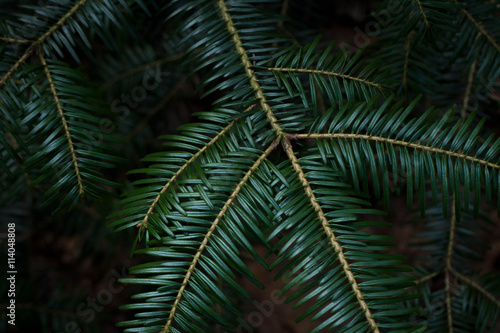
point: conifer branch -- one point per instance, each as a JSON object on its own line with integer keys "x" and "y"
{"x": 15, "y": 66}
{"x": 398, "y": 143}
{"x": 61, "y": 21}
{"x": 328, "y": 73}
{"x": 14, "y": 40}
{"x": 289, "y": 150}
{"x": 40, "y": 40}
{"x": 248, "y": 69}
{"x": 451, "y": 236}
{"x": 476, "y": 286}
{"x": 427, "y": 277}
{"x": 64, "y": 123}
{"x": 143, "y": 223}
{"x": 468, "y": 89}
{"x": 407, "y": 57}
{"x": 480, "y": 28}
{"x": 212, "y": 229}
{"x": 422, "y": 11}
{"x": 330, "y": 234}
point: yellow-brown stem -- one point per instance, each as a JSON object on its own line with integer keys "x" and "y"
{"x": 245, "y": 60}
{"x": 64, "y": 123}
{"x": 14, "y": 40}
{"x": 321, "y": 72}
{"x": 480, "y": 28}
{"x": 330, "y": 234}
{"x": 427, "y": 277}
{"x": 407, "y": 57}
{"x": 143, "y": 223}
{"x": 40, "y": 40}
{"x": 468, "y": 89}
{"x": 15, "y": 66}
{"x": 61, "y": 21}
{"x": 210, "y": 232}
{"x": 476, "y": 286}
{"x": 396, "y": 142}
{"x": 422, "y": 11}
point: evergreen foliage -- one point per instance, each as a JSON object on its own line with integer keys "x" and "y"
{"x": 302, "y": 152}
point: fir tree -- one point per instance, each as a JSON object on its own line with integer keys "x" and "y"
{"x": 303, "y": 149}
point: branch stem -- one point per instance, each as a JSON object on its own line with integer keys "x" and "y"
{"x": 395, "y": 142}
{"x": 64, "y": 123}
{"x": 476, "y": 286}
{"x": 468, "y": 89}
{"x": 15, "y": 66}
{"x": 14, "y": 40}
{"x": 248, "y": 69}
{"x": 321, "y": 72}
{"x": 330, "y": 234}
{"x": 427, "y": 277}
{"x": 480, "y": 28}
{"x": 422, "y": 11}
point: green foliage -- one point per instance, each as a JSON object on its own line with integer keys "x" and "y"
{"x": 303, "y": 151}
{"x": 51, "y": 112}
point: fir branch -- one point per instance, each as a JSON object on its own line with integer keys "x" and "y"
{"x": 143, "y": 223}
{"x": 192, "y": 294}
{"x": 468, "y": 89}
{"x": 330, "y": 234}
{"x": 61, "y": 21}
{"x": 40, "y": 40}
{"x": 321, "y": 72}
{"x": 480, "y": 28}
{"x": 248, "y": 69}
{"x": 427, "y": 277}
{"x": 14, "y": 40}
{"x": 407, "y": 57}
{"x": 15, "y": 66}
{"x": 288, "y": 148}
{"x": 398, "y": 143}
{"x": 422, "y": 11}
{"x": 212, "y": 229}
{"x": 64, "y": 123}
{"x": 476, "y": 286}
{"x": 451, "y": 236}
